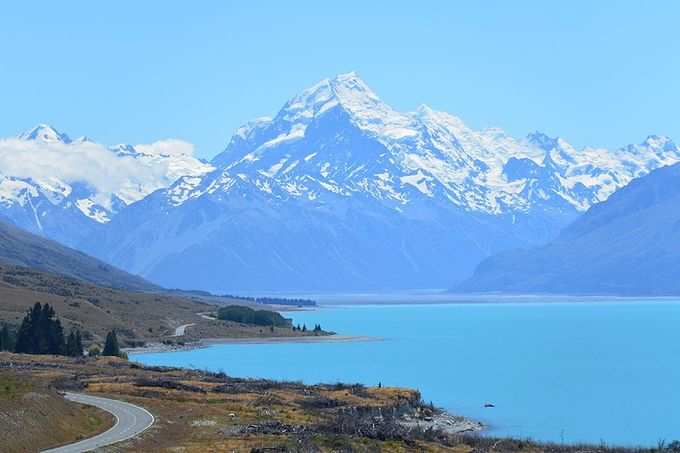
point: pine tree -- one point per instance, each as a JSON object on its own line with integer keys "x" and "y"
{"x": 45, "y": 331}
{"x": 71, "y": 344}
{"x": 74, "y": 345}
{"x": 28, "y": 331}
{"x": 79, "y": 344}
{"x": 40, "y": 332}
{"x": 7, "y": 339}
{"x": 111, "y": 346}
{"x": 55, "y": 337}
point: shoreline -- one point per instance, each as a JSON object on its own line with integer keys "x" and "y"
{"x": 435, "y": 297}
{"x": 153, "y": 348}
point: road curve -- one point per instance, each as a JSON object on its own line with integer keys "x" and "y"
{"x": 131, "y": 420}
{"x": 181, "y": 330}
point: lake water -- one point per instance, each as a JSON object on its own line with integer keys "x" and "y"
{"x": 603, "y": 371}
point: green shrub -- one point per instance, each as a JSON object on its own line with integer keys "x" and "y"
{"x": 246, "y": 315}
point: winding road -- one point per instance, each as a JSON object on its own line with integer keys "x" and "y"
{"x": 131, "y": 420}
{"x": 181, "y": 330}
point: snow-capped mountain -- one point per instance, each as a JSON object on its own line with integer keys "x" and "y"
{"x": 427, "y": 154}
{"x": 340, "y": 191}
{"x": 64, "y": 189}
{"x": 46, "y": 134}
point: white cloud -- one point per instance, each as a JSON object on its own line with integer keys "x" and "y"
{"x": 168, "y": 147}
{"x": 90, "y": 163}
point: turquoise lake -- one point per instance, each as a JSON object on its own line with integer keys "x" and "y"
{"x": 604, "y": 371}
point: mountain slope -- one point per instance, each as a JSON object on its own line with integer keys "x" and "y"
{"x": 339, "y": 191}
{"x": 20, "y": 248}
{"x": 628, "y": 245}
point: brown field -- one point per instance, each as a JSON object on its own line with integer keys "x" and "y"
{"x": 203, "y": 412}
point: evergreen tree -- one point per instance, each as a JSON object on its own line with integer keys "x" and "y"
{"x": 74, "y": 345}
{"x": 55, "y": 338}
{"x": 40, "y": 332}
{"x": 7, "y": 339}
{"x": 79, "y": 344}
{"x": 28, "y": 331}
{"x": 111, "y": 346}
{"x": 45, "y": 334}
{"x": 71, "y": 344}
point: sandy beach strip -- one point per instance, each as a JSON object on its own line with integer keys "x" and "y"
{"x": 203, "y": 343}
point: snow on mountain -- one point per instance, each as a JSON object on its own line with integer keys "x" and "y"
{"x": 340, "y": 191}
{"x": 432, "y": 152}
{"x": 626, "y": 245}
{"x": 46, "y": 134}
{"x": 337, "y": 191}
{"x": 62, "y": 188}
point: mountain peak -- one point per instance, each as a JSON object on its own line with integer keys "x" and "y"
{"x": 543, "y": 141}
{"x": 351, "y": 94}
{"x": 351, "y": 81}
{"x": 83, "y": 139}
{"x": 124, "y": 149}
{"x": 45, "y": 133}
{"x": 660, "y": 141}
{"x": 346, "y": 90}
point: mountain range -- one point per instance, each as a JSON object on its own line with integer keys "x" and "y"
{"x": 337, "y": 191}
{"x": 66, "y": 189}
{"x": 627, "y": 245}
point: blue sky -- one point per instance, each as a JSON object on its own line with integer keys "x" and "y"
{"x": 606, "y": 73}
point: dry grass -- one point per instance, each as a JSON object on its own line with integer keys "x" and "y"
{"x": 33, "y": 416}
{"x": 138, "y": 317}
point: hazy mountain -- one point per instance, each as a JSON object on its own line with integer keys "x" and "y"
{"x": 66, "y": 189}
{"x": 628, "y": 244}
{"x": 20, "y": 248}
{"x": 339, "y": 191}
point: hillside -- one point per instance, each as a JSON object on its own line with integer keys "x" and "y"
{"x": 627, "y": 245}
{"x": 138, "y": 317}
{"x": 20, "y": 248}
{"x": 33, "y": 416}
